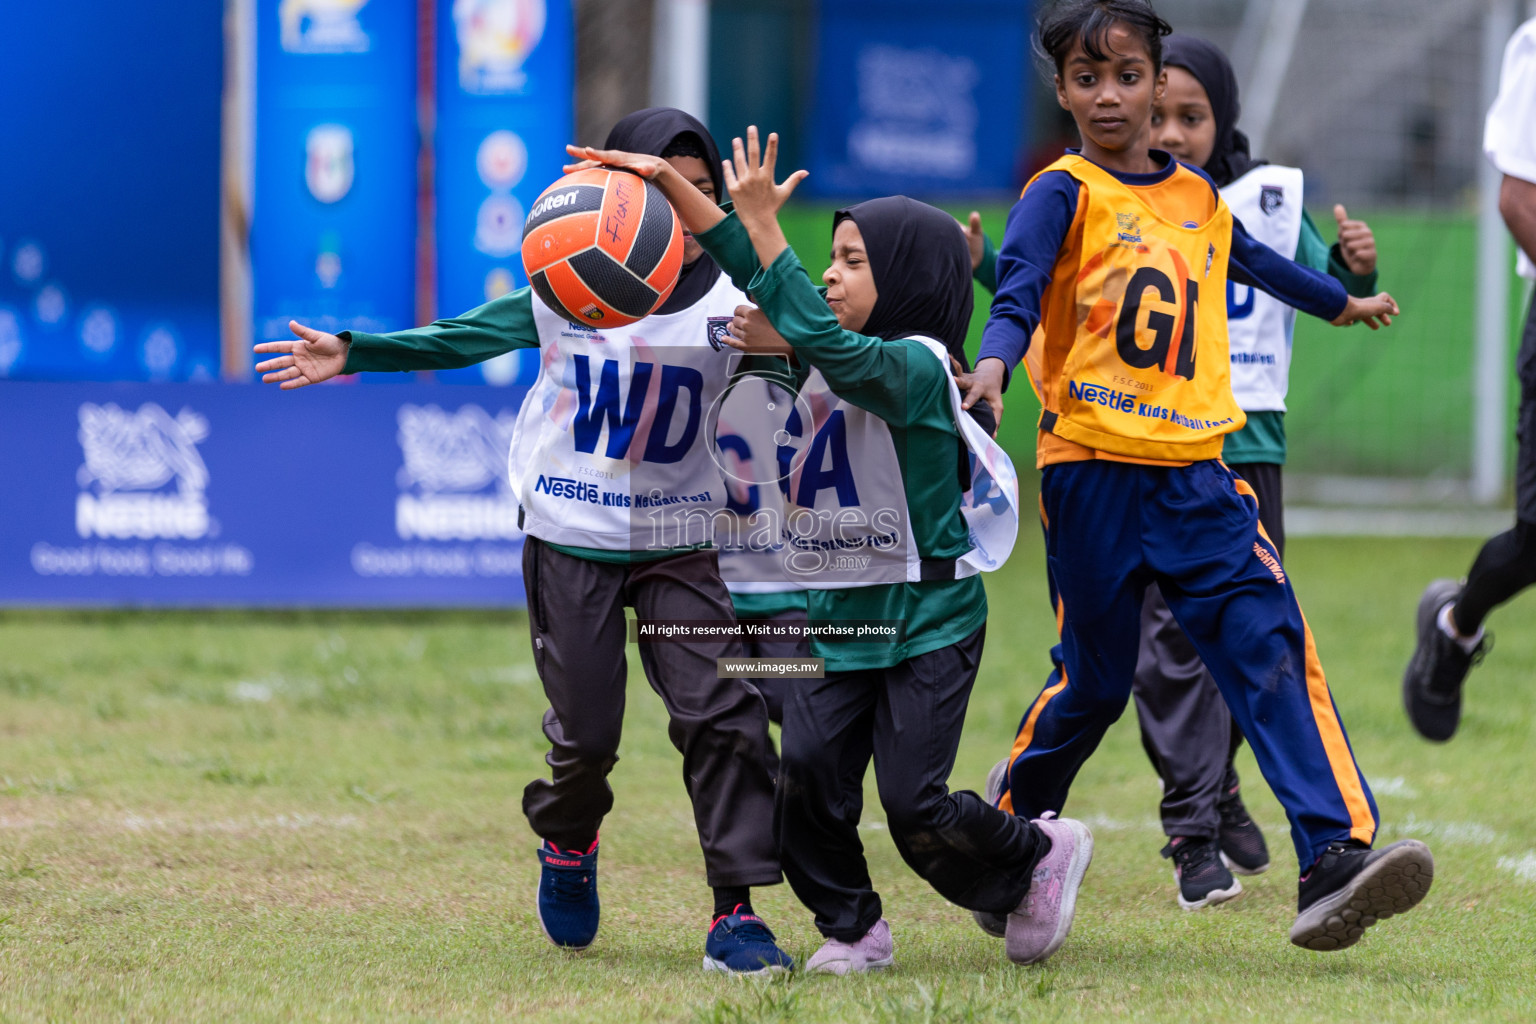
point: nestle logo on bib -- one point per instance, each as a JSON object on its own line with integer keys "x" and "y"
{"x": 454, "y": 478}
{"x": 143, "y": 477}
{"x": 553, "y": 202}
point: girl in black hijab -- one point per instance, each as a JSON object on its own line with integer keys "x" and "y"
{"x": 1228, "y": 159}
{"x": 883, "y": 534}
{"x": 683, "y": 140}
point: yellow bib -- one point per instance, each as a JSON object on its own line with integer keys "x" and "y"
{"x": 1134, "y": 326}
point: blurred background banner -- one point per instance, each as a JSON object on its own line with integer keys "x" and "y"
{"x": 911, "y": 101}
{"x": 182, "y": 494}
{"x": 333, "y": 234}
{"x": 109, "y": 190}
{"x": 504, "y": 113}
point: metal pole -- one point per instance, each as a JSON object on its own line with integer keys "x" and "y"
{"x": 680, "y": 56}
{"x": 236, "y": 174}
{"x": 1491, "y": 325}
{"x": 1274, "y": 59}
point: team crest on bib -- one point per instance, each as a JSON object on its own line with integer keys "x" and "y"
{"x": 717, "y": 328}
{"x": 1271, "y": 198}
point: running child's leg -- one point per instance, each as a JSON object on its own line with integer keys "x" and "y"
{"x": 1224, "y": 582}
{"x": 719, "y": 725}
{"x": 576, "y": 616}
{"x": 1185, "y": 724}
{"x": 973, "y": 854}
{"x": 1091, "y": 512}
{"x": 827, "y": 744}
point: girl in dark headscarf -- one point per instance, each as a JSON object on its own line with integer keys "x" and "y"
{"x": 684, "y": 141}
{"x": 889, "y": 543}
{"x": 1186, "y": 727}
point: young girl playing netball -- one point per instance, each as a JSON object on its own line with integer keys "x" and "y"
{"x": 1121, "y": 255}
{"x": 584, "y": 563}
{"x": 1185, "y": 725}
{"x": 883, "y": 479}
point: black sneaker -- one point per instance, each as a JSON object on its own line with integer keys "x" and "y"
{"x": 1197, "y": 867}
{"x": 1351, "y": 887}
{"x": 1432, "y": 681}
{"x": 1243, "y": 849}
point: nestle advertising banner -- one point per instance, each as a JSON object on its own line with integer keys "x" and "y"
{"x": 334, "y": 227}
{"x": 919, "y": 98}
{"x": 188, "y": 494}
{"x": 504, "y": 114}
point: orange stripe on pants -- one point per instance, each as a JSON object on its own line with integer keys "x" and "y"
{"x": 1021, "y": 742}
{"x": 1345, "y": 774}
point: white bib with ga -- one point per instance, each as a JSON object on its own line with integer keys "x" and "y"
{"x": 1259, "y": 327}
{"x": 613, "y": 447}
{"x": 748, "y": 531}
{"x": 846, "y": 520}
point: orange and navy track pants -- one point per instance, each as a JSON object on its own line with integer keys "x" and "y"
{"x": 1111, "y": 528}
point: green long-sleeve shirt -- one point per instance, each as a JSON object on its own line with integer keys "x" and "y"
{"x": 903, "y": 384}
{"x": 1262, "y": 438}
{"x": 501, "y": 325}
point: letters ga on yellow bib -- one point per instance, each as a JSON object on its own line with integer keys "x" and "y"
{"x": 1131, "y": 355}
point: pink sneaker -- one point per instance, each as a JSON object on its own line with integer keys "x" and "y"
{"x": 1040, "y": 924}
{"x": 874, "y": 952}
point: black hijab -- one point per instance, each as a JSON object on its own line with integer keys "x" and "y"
{"x": 1229, "y": 159}
{"x": 922, "y": 271}
{"x": 653, "y": 131}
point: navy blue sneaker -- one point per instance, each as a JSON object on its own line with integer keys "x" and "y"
{"x": 742, "y": 944}
{"x": 568, "y": 895}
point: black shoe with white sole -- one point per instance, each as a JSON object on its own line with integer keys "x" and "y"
{"x": 1203, "y": 879}
{"x": 1351, "y": 887}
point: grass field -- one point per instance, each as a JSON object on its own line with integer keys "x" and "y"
{"x": 226, "y": 816}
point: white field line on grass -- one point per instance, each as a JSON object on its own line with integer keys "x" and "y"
{"x": 1472, "y": 833}
{"x": 1394, "y": 786}
{"x": 1522, "y": 867}
{"x": 157, "y": 823}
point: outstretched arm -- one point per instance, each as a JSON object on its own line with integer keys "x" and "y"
{"x": 697, "y": 211}
{"x": 499, "y": 326}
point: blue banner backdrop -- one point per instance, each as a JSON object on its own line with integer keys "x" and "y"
{"x": 208, "y": 494}
{"x": 109, "y": 190}
{"x": 918, "y": 98}
{"x": 505, "y": 82}
{"x": 334, "y": 226}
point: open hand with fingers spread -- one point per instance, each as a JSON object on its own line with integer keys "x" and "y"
{"x": 749, "y": 179}
{"x": 313, "y": 357}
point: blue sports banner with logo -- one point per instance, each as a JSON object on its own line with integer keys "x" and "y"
{"x": 333, "y": 233}
{"x": 919, "y": 98}
{"x": 207, "y": 494}
{"x": 109, "y": 190}
{"x": 505, "y": 80}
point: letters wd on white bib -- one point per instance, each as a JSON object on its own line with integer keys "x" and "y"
{"x": 613, "y": 447}
{"x": 1268, "y": 201}
{"x": 847, "y": 523}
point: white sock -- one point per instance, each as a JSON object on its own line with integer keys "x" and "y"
{"x": 1448, "y": 627}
